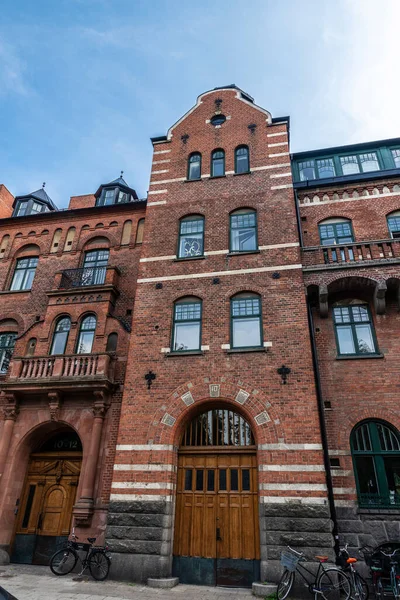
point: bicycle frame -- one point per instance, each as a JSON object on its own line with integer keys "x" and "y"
{"x": 311, "y": 584}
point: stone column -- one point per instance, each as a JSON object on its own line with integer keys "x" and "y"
{"x": 10, "y": 415}
{"x": 84, "y": 508}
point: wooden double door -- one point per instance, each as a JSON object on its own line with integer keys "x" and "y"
{"x": 216, "y": 525}
{"x": 45, "y": 507}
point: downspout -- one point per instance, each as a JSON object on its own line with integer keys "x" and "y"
{"x": 320, "y": 403}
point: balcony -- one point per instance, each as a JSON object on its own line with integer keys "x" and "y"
{"x": 351, "y": 255}
{"x": 85, "y": 284}
{"x": 74, "y": 372}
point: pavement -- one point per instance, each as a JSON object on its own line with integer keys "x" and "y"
{"x": 29, "y": 582}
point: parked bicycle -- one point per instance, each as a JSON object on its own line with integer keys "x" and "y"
{"x": 97, "y": 558}
{"x": 385, "y": 570}
{"x": 359, "y": 587}
{"x": 329, "y": 583}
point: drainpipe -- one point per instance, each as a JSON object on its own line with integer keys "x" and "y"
{"x": 320, "y": 403}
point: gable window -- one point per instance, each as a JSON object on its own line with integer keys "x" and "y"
{"x": 191, "y": 237}
{"x": 86, "y": 335}
{"x": 186, "y": 333}
{"x": 95, "y": 267}
{"x": 375, "y": 448}
{"x": 243, "y": 230}
{"x": 7, "y": 343}
{"x": 242, "y": 163}
{"x": 60, "y": 336}
{"x": 246, "y": 326}
{"x": 194, "y": 166}
{"x": 393, "y": 221}
{"x": 396, "y": 157}
{"x": 359, "y": 163}
{"x": 24, "y": 273}
{"x": 354, "y": 329}
{"x": 218, "y": 163}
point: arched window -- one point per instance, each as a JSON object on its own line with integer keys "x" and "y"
{"x": 375, "y": 447}
{"x": 243, "y": 230}
{"x": 393, "y": 221}
{"x": 186, "y": 331}
{"x": 337, "y": 231}
{"x": 218, "y": 163}
{"x": 56, "y": 240}
{"x": 86, "y": 335}
{"x": 94, "y": 267}
{"x": 4, "y": 244}
{"x": 354, "y": 328}
{"x": 7, "y": 343}
{"x": 60, "y": 336}
{"x": 24, "y": 273}
{"x": 242, "y": 162}
{"x": 218, "y": 427}
{"x": 69, "y": 239}
{"x": 246, "y": 323}
{"x": 140, "y": 231}
{"x": 126, "y": 233}
{"x": 191, "y": 236}
{"x": 112, "y": 342}
{"x": 194, "y": 166}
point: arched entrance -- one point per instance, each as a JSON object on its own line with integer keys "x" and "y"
{"x": 216, "y": 540}
{"x": 45, "y": 506}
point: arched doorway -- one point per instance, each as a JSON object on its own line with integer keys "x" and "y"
{"x": 216, "y": 540}
{"x": 45, "y": 506}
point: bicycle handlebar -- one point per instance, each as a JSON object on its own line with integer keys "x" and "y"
{"x": 387, "y": 554}
{"x": 295, "y": 551}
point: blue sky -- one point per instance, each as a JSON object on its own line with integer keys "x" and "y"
{"x": 85, "y": 83}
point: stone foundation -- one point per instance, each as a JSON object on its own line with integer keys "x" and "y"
{"x": 361, "y": 527}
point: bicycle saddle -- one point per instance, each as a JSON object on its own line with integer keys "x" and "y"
{"x": 322, "y": 558}
{"x": 91, "y": 540}
{"x": 350, "y": 561}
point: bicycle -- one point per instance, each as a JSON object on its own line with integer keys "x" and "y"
{"x": 378, "y": 560}
{"x": 97, "y": 558}
{"x": 329, "y": 583}
{"x": 359, "y": 587}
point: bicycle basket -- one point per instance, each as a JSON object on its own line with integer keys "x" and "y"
{"x": 289, "y": 560}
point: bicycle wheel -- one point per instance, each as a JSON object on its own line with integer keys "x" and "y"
{"x": 378, "y": 589}
{"x": 333, "y": 584}
{"x": 63, "y": 561}
{"x": 361, "y": 591}
{"x": 99, "y": 565}
{"x": 285, "y": 584}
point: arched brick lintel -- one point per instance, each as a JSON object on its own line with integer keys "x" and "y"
{"x": 355, "y": 416}
{"x": 171, "y": 418}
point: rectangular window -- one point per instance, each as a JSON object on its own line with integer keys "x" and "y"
{"x": 7, "y": 343}
{"x": 336, "y": 233}
{"x": 394, "y": 226}
{"x": 354, "y": 330}
{"x": 36, "y": 208}
{"x": 243, "y": 232}
{"x": 24, "y": 274}
{"x": 188, "y": 480}
{"x": 246, "y": 323}
{"x": 94, "y": 267}
{"x": 199, "y": 480}
{"x": 306, "y": 170}
{"x": 246, "y": 480}
{"x": 191, "y": 238}
{"x": 396, "y": 157}
{"x": 350, "y": 165}
{"x": 326, "y": 168}
{"x": 234, "y": 480}
{"x": 222, "y": 480}
{"x": 210, "y": 480}
{"x": 369, "y": 162}
{"x": 187, "y": 326}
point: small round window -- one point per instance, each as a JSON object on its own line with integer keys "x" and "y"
{"x": 217, "y": 120}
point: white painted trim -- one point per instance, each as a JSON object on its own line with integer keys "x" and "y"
{"x": 165, "y": 350}
{"x": 205, "y": 347}
{"x": 225, "y": 346}
{"x": 159, "y": 192}
{"x": 141, "y": 497}
{"x": 161, "y": 151}
{"x": 154, "y": 258}
{"x": 275, "y": 246}
{"x": 291, "y": 500}
{"x": 157, "y": 203}
{"x": 288, "y": 174}
{"x": 339, "y": 452}
{"x": 276, "y": 134}
{"x": 340, "y": 473}
{"x": 300, "y": 468}
{"x": 161, "y": 171}
{"x": 142, "y": 485}
{"x": 267, "y": 344}
{"x": 279, "y": 187}
{"x": 162, "y": 181}
{"x": 277, "y": 144}
{"x": 283, "y": 446}
{"x": 222, "y": 273}
{"x": 341, "y": 490}
{"x": 271, "y": 167}
{"x": 145, "y": 467}
{"x": 301, "y": 487}
{"x": 159, "y": 162}
{"x": 229, "y": 172}
{"x": 146, "y": 447}
{"x": 278, "y": 154}
{"x": 371, "y": 197}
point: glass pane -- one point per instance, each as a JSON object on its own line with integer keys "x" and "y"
{"x": 246, "y": 307}
{"x": 341, "y": 315}
{"x": 30, "y": 275}
{"x": 243, "y": 240}
{"x": 246, "y": 480}
{"x": 246, "y": 332}
{"x": 364, "y": 338}
{"x": 218, "y": 167}
{"x": 17, "y": 280}
{"x": 345, "y": 339}
{"x": 369, "y": 162}
{"x": 188, "y": 479}
{"x": 194, "y": 167}
{"x": 199, "y": 480}
{"x": 242, "y": 160}
{"x": 109, "y": 197}
{"x": 85, "y": 342}
{"x": 396, "y": 157}
{"x": 188, "y": 311}
{"x": 28, "y": 508}
{"x": 59, "y": 342}
{"x": 191, "y": 245}
{"x": 389, "y": 442}
{"x": 394, "y": 224}
{"x": 366, "y": 475}
{"x": 392, "y": 471}
{"x": 362, "y": 439}
{"x": 96, "y": 258}
{"x": 210, "y": 480}
{"x": 349, "y": 165}
{"x": 326, "y": 168}
{"x": 306, "y": 170}
{"x": 360, "y": 313}
{"x": 234, "y": 480}
{"x": 187, "y": 336}
{"x": 222, "y": 480}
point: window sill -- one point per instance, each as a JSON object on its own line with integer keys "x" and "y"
{"x": 387, "y": 510}
{"x": 245, "y": 252}
{"x": 217, "y": 176}
{"x": 253, "y": 349}
{"x": 191, "y": 180}
{"x": 185, "y": 353}
{"x": 16, "y": 291}
{"x": 359, "y": 356}
{"x": 244, "y": 173}
{"x": 189, "y": 258}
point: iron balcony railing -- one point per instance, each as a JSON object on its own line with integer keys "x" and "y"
{"x": 75, "y": 278}
{"x": 392, "y": 500}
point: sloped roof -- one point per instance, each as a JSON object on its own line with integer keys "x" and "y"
{"x": 40, "y": 195}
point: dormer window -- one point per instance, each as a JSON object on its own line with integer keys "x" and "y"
{"x": 108, "y": 197}
{"x": 115, "y": 192}
{"x": 33, "y": 204}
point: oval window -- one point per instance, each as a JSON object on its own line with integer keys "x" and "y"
{"x": 217, "y": 120}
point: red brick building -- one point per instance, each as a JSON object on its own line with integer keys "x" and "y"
{"x": 223, "y": 389}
